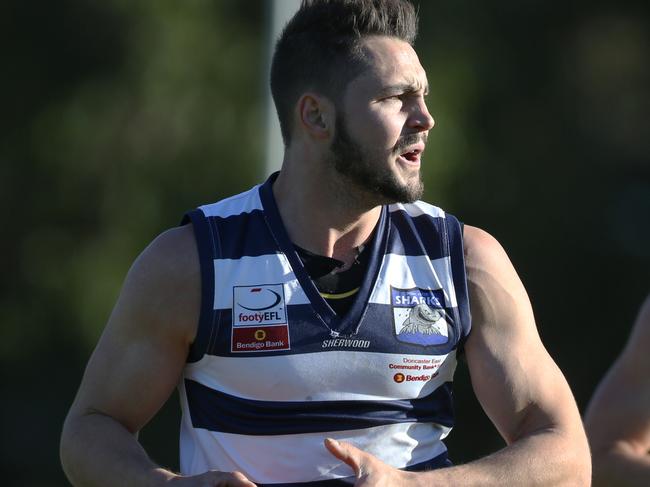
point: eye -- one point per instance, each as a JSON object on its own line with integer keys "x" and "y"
{"x": 395, "y": 98}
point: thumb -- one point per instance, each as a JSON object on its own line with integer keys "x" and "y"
{"x": 347, "y": 453}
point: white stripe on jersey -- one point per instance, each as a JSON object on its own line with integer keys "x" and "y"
{"x": 418, "y": 208}
{"x": 351, "y": 375}
{"x": 246, "y": 272}
{"x": 240, "y": 203}
{"x": 399, "y": 445}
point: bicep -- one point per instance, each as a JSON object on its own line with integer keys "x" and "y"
{"x": 515, "y": 380}
{"x": 140, "y": 356}
{"x": 129, "y": 376}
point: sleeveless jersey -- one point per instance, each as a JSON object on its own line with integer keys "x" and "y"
{"x": 274, "y": 371}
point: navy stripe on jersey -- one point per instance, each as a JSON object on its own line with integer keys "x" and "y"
{"x": 236, "y": 244}
{"x": 459, "y": 278}
{"x": 216, "y": 411}
{"x": 208, "y": 246}
{"x": 343, "y": 482}
{"x": 257, "y": 241}
{"x": 308, "y": 331}
{"x": 410, "y": 230}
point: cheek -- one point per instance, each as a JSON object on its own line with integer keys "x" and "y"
{"x": 380, "y": 130}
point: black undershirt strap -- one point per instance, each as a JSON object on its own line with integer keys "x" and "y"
{"x": 338, "y": 288}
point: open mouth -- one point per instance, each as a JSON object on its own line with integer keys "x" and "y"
{"x": 411, "y": 157}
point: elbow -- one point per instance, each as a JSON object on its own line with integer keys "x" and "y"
{"x": 73, "y": 447}
{"x": 580, "y": 463}
{"x": 574, "y": 458}
{"x": 577, "y": 471}
{"x": 583, "y": 475}
{"x": 66, "y": 447}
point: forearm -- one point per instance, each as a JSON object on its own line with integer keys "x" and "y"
{"x": 545, "y": 458}
{"x": 97, "y": 451}
{"x": 621, "y": 468}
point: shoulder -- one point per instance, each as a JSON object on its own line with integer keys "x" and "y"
{"x": 480, "y": 245}
{"x": 484, "y": 256}
{"x": 170, "y": 252}
{"x": 169, "y": 261}
{"x": 634, "y": 360}
{"x": 642, "y": 326}
{"x": 164, "y": 283}
{"x": 495, "y": 289}
{"x": 635, "y": 354}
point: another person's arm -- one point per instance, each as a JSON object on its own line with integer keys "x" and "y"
{"x": 134, "y": 369}
{"x": 517, "y": 383}
{"x": 618, "y": 416}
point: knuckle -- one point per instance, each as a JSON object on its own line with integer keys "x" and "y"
{"x": 239, "y": 476}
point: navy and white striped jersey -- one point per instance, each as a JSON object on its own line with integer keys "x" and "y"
{"x": 273, "y": 370}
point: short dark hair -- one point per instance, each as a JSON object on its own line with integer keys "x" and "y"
{"x": 320, "y": 48}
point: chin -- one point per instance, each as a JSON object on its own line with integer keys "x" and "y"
{"x": 393, "y": 190}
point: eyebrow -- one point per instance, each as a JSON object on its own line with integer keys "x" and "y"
{"x": 403, "y": 88}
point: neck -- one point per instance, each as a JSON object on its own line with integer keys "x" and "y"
{"x": 320, "y": 212}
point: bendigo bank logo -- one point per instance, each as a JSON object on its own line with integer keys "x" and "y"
{"x": 399, "y": 378}
{"x": 259, "y": 319}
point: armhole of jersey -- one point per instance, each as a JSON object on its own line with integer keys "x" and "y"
{"x": 457, "y": 254}
{"x": 207, "y": 249}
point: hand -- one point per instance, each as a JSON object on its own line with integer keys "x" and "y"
{"x": 213, "y": 479}
{"x": 368, "y": 469}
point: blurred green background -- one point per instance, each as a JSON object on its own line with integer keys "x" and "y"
{"x": 118, "y": 116}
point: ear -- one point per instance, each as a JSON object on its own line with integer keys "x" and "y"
{"x": 316, "y": 115}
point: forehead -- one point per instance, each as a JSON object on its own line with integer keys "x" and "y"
{"x": 391, "y": 61}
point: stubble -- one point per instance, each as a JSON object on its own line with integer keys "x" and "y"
{"x": 368, "y": 171}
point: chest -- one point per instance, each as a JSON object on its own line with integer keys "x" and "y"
{"x": 274, "y": 343}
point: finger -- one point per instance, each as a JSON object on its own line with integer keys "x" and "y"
{"x": 241, "y": 480}
{"x": 233, "y": 479}
{"x": 346, "y": 453}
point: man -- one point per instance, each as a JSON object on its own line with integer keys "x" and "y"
{"x": 314, "y": 333}
{"x": 618, "y": 417}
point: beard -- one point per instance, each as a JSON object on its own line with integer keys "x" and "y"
{"x": 369, "y": 171}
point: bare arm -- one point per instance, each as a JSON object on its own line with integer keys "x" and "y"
{"x": 135, "y": 368}
{"x": 517, "y": 383}
{"x": 519, "y": 386}
{"x": 618, "y": 417}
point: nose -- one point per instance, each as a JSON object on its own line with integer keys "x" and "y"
{"x": 420, "y": 118}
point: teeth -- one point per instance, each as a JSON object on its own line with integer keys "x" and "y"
{"x": 410, "y": 156}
